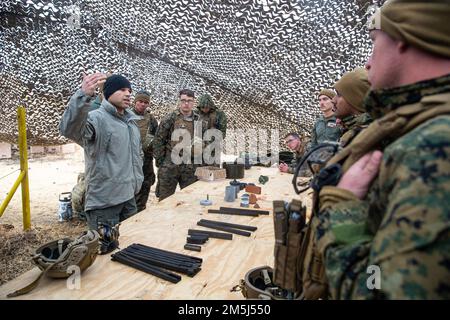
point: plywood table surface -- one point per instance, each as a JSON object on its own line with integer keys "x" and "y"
{"x": 165, "y": 225}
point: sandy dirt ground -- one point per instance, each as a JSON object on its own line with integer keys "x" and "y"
{"x": 49, "y": 175}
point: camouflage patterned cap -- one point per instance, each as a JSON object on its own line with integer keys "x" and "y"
{"x": 421, "y": 23}
{"x": 354, "y": 86}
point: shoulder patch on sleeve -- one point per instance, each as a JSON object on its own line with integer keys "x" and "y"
{"x": 331, "y": 124}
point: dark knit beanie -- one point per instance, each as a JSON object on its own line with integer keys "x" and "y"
{"x": 114, "y": 83}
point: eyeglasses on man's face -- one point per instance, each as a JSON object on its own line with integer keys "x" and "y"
{"x": 187, "y": 101}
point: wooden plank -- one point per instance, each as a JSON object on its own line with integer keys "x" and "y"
{"x": 165, "y": 226}
{"x": 232, "y": 225}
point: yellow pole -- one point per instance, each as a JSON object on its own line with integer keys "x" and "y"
{"x": 24, "y": 167}
{"x": 11, "y": 193}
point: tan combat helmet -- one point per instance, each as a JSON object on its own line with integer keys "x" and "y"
{"x": 57, "y": 258}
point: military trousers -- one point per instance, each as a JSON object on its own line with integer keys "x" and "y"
{"x": 149, "y": 180}
{"x": 111, "y": 215}
{"x": 170, "y": 175}
{"x": 78, "y": 197}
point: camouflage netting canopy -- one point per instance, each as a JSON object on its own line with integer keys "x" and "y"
{"x": 263, "y": 61}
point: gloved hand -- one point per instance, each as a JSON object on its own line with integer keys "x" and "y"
{"x": 147, "y": 146}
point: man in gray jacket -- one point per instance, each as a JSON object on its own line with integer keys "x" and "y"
{"x": 112, "y": 148}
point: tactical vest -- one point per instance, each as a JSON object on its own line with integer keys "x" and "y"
{"x": 348, "y": 136}
{"x": 143, "y": 123}
{"x": 181, "y": 123}
{"x": 360, "y": 122}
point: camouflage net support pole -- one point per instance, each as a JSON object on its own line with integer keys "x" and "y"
{"x": 23, "y": 176}
{"x": 23, "y": 149}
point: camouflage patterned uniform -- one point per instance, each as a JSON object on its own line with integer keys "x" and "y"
{"x": 352, "y": 125}
{"x": 147, "y": 128}
{"x": 325, "y": 129}
{"x": 403, "y": 224}
{"x": 214, "y": 119}
{"x": 170, "y": 174}
{"x": 298, "y": 155}
{"x": 78, "y": 196}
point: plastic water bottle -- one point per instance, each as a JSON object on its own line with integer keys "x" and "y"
{"x": 65, "y": 207}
